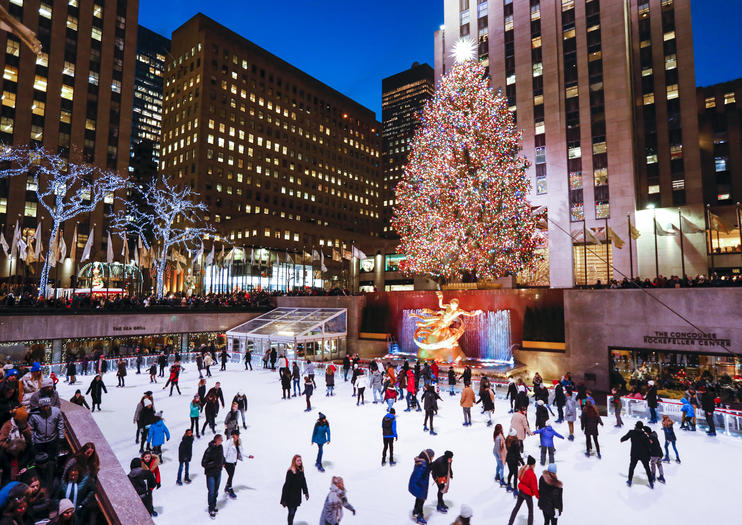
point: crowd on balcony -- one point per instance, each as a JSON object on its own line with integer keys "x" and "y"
{"x": 42, "y": 480}
{"x": 674, "y": 281}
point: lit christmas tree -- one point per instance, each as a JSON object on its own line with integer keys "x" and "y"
{"x": 461, "y": 207}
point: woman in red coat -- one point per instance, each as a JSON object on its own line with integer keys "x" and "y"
{"x": 527, "y": 488}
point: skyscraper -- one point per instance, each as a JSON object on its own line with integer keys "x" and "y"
{"x": 403, "y": 97}
{"x": 604, "y": 92}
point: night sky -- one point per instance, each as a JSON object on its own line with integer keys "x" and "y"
{"x": 352, "y": 44}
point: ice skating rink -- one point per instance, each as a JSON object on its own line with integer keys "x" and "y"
{"x": 703, "y": 489}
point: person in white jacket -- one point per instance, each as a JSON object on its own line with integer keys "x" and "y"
{"x": 332, "y": 512}
{"x": 361, "y": 384}
{"x": 232, "y": 454}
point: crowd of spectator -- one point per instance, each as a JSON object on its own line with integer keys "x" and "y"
{"x": 42, "y": 480}
{"x": 674, "y": 281}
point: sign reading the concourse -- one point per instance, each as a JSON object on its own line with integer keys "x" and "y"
{"x": 699, "y": 339}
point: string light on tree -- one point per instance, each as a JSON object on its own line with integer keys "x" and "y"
{"x": 464, "y": 49}
{"x": 461, "y": 205}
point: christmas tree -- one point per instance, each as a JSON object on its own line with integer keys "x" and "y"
{"x": 461, "y": 207}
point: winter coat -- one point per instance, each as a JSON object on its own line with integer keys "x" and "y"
{"x": 499, "y": 449}
{"x": 80, "y": 492}
{"x": 27, "y": 385}
{"x": 547, "y": 436}
{"x": 512, "y": 391}
{"x": 362, "y": 381}
{"x": 430, "y": 399}
{"x": 411, "y": 388}
{"x": 559, "y": 398}
{"x": 195, "y": 409}
{"x": 655, "y": 450}
{"x": 71, "y": 369}
{"x": 213, "y": 459}
{"x": 389, "y": 426}
{"x": 451, "y": 377}
{"x": 688, "y": 409}
{"x": 418, "y": 485}
{"x": 121, "y": 370}
{"x": 488, "y": 400}
{"x": 80, "y": 401}
{"x": 185, "y": 449}
{"x": 232, "y": 452}
{"x": 542, "y": 415}
{"x": 329, "y": 378}
{"x": 154, "y": 467}
{"x": 144, "y": 415}
{"x": 589, "y": 423}
{"x": 376, "y": 380}
{"x": 467, "y": 397}
{"x": 639, "y": 443}
{"x": 519, "y": 422}
{"x": 157, "y": 433}
{"x": 241, "y": 402}
{"x": 45, "y": 429}
{"x": 550, "y": 494}
{"x": 211, "y": 408}
{"x": 708, "y": 402}
{"x": 651, "y": 397}
{"x": 294, "y": 485}
{"x": 321, "y": 433}
{"x": 231, "y": 422}
{"x": 332, "y": 512}
{"x": 441, "y": 472}
{"x": 570, "y": 408}
{"x": 390, "y": 393}
{"x": 96, "y": 390}
{"x": 527, "y": 483}
{"x": 143, "y": 481}
{"x": 217, "y": 394}
{"x": 669, "y": 433}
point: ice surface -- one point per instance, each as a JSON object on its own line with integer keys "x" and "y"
{"x": 703, "y": 489}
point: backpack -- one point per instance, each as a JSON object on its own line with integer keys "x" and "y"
{"x": 386, "y": 425}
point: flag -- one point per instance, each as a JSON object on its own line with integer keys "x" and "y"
{"x": 336, "y": 255}
{"x": 88, "y": 245}
{"x": 315, "y": 255}
{"x": 73, "y": 251}
{"x": 210, "y": 258}
{"x": 109, "y": 252}
{"x": 37, "y": 242}
{"x": 136, "y": 255}
{"x": 220, "y": 259}
{"x": 199, "y": 253}
{"x": 322, "y": 261}
{"x": 613, "y": 236}
{"x": 689, "y": 227}
{"x": 252, "y": 257}
{"x": 663, "y": 232}
{"x": 714, "y": 221}
{"x": 633, "y": 232}
{"x": 591, "y": 238}
{"x": 14, "y": 242}
{"x": 4, "y": 244}
{"x": 358, "y": 254}
{"x": 22, "y": 253}
{"x": 62, "y": 249}
{"x": 289, "y": 260}
{"x": 347, "y": 254}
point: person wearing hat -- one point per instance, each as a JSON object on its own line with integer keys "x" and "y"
{"x": 513, "y": 459}
{"x": 79, "y": 399}
{"x": 511, "y": 394}
{"x": 29, "y": 384}
{"x": 442, "y": 475}
{"x": 144, "y": 415}
{"x": 464, "y": 516}
{"x": 9, "y": 398}
{"x": 321, "y": 436}
{"x": 651, "y": 399}
{"x": 332, "y": 511}
{"x": 47, "y": 430}
{"x": 639, "y": 451}
{"x": 47, "y": 390}
{"x": 15, "y": 442}
{"x": 527, "y": 489}
{"x": 418, "y": 485}
{"x": 550, "y": 495}
{"x": 158, "y": 431}
{"x": 389, "y": 434}
{"x": 144, "y": 483}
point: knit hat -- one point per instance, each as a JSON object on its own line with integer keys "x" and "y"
{"x": 448, "y": 454}
{"x": 531, "y": 460}
{"x": 466, "y": 511}
{"x": 21, "y": 414}
{"x": 47, "y": 382}
{"x": 320, "y": 416}
{"x": 12, "y": 372}
{"x": 148, "y": 393}
{"x": 639, "y": 425}
{"x": 36, "y": 367}
{"x": 135, "y": 463}
{"x": 551, "y": 468}
{"x": 512, "y": 432}
{"x": 392, "y": 411}
{"x": 65, "y": 505}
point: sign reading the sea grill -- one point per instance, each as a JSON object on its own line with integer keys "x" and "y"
{"x": 687, "y": 339}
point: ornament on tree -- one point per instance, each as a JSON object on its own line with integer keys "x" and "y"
{"x": 461, "y": 206}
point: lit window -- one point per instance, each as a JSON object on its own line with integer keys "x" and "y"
{"x": 540, "y": 127}
{"x": 72, "y": 23}
{"x": 45, "y": 10}
{"x": 6, "y": 124}
{"x": 508, "y": 22}
{"x": 90, "y": 124}
{"x": 710, "y": 102}
{"x": 40, "y": 83}
{"x": 648, "y": 99}
{"x": 267, "y": 232}
{"x": 668, "y": 36}
{"x": 3, "y": 205}
{"x": 8, "y": 99}
{"x": 96, "y": 34}
{"x": 567, "y": 4}
{"x": 678, "y": 185}
{"x": 572, "y": 92}
{"x": 116, "y": 86}
{"x": 69, "y": 69}
{"x": 600, "y": 176}
{"x": 538, "y": 100}
{"x": 540, "y": 154}
{"x": 65, "y": 116}
{"x": 671, "y": 62}
{"x": 97, "y": 11}
{"x": 652, "y": 159}
{"x": 67, "y": 92}
{"x": 510, "y": 80}
{"x": 10, "y": 73}
{"x": 93, "y": 78}
{"x": 602, "y": 210}
{"x": 577, "y": 212}
{"x": 538, "y": 69}
{"x": 729, "y": 98}
{"x": 720, "y": 163}
{"x": 599, "y": 147}
{"x": 37, "y": 133}
{"x": 653, "y": 189}
{"x": 37, "y": 108}
{"x": 647, "y": 71}
{"x": 570, "y": 33}
{"x": 672, "y": 91}
{"x": 574, "y": 152}
{"x": 541, "y": 186}
{"x": 536, "y": 42}
{"x": 29, "y": 209}
{"x": 575, "y": 180}
{"x": 464, "y": 17}
{"x": 13, "y": 47}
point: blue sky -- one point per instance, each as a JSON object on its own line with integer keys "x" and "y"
{"x": 352, "y": 44}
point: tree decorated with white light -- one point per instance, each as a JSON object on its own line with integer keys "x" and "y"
{"x": 169, "y": 217}
{"x": 461, "y": 205}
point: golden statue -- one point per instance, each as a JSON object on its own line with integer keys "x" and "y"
{"x": 438, "y": 332}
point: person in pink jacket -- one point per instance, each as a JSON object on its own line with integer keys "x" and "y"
{"x": 519, "y": 423}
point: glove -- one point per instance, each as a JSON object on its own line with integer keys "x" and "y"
{"x": 353, "y": 511}
{"x": 158, "y": 485}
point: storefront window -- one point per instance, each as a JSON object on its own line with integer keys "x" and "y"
{"x": 394, "y": 262}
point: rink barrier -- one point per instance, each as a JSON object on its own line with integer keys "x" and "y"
{"x": 726, "y": 420}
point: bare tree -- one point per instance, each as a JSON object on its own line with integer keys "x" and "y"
{"x": 169, "y": 216}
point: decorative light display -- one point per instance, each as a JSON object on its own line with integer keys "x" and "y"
{"x": 461, "y": 207}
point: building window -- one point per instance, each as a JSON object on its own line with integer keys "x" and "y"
{"x": 602, "y": 210}
{"x": 72, "y": 23}
{"x": 710, "y": 102}
{"x": 653, "y": 189}
{"x": 541, "y": 185}
{"x": 729, "y": 98}
{"x": 541, "y": 155}
{"x": 40, "y": 83}
{"x": 577, "y": 212}
{"x": 67, "y": 92}
{"x": 720, "y": 163}
{"x": 29, "y": 209}
{"x": 8, "y": 99}
{"x": 671, "y": 62}
{"x": 13, "y": 47}
{"x": 672, "y": 91}
{"x": 96, "y": 34}
{"x": 37, "y": 108}
{"x": 10, "y": 73}
{"x": 648, "y": 99}
{"x": 6, "y": 125}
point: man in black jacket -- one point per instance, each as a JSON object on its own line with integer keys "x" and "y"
{"x": 442, "y": 474}
{"x": 651, "y": 399}
{"x": 708, "y": 402}
{"x": 639, "y": 451}
{"x": 216, "y": 391}
{"x": 143, "y": 481}
{"x": 213, "y": 462}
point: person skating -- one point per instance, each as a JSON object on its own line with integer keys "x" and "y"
{"x": 96, "y": 390}
{"x": 308, "y": 391}
{"x": 139, "y": 360}
{"x": 651, "y": 399}
{"x": 639, "y": 452}
{"x": 519, "y": 423}
{"x": 71, "y": 372}
{"x": 419, "y": 481}
{"x": 513, "y": 459}
{"x": 152, "y": 463}
{"x": 511, "y": 394}
{"x": 589, "y": 421}
{"x": 158, "y": 431}
{"x": 655, "y": 454}
{"x": 548, "y": 434}
{"x": 487, "y": 398}
{"x": 689, "y": 416}
{"x": 617, "y": 406}
{"x": 559, "y": 400}
{"x": 430, "y": 400}
{"x": 208, "y": 363}
{"x": 670, "y": 438}
{"x": 223, "y": 356}
{"x": 465, "y": 515}
{"x": 293, "y": 487}
{"x": 374, "y": 381}
{"x": 241, "y": 400}
{"x": 162, "y": 363}
{"x": 570, "y": 413}
{"x": 527, "y": 489}
{"x": 216, "y": 391}
{"x": 411, "y": 392}
{"x": 442, "y": 474}
{"x": 144, "y": 415}
{"x": 273, "y": 357}
{"x": 708, "y": 403}
{"x": 295, "y": 380}
{"x": 153, "y": 372}
{"x": 121, "y": 373}
{"x": 389, "y": 435}
{"x": 232, "y": 420}
{"x": 361, "y": 385}
{"x": 185, "y": 453}
{"x": 500, "y": 453}
{"x": 232, "y": 454}
{"x": 542, "y": 413}
{"x": 320, "y": 436}
{"x": 466, "y": 402}
{"x": 201, "y": 391}
{"x": 550, "y": 495}
{"x": 144, "y": 482}
{"x": 451, "y": 381}
{"x": 346, "y": 367}
{"x": 174, "y": 378}
{"x": 390, "y": 396}
{"x": 248, "y": 358}
{"x": 79, "y": 399}
{"x": 336, "y": 500}
{"x": 213, "y": 463}
{"x": 195, "y": 413}
{"x": 330, "y": 380}
{"x": 211, "y": 409}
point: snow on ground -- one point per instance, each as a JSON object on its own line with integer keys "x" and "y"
{"x": 700, "y": 490}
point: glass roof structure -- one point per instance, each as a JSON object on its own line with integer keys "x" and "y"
{"x": 294, "y": 325}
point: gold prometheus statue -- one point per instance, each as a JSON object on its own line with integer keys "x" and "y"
{"x": 438, "y": 332}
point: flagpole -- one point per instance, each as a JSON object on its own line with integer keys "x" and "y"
{"x": 739, "y": 226}
{"x": 607, "y": 256}
{"x": 682, "y": 250}
{"x": 656, "y": 255}
{"x": 74, "y": 265}
{"x": 631, "y": 249}
{"x": 584, "y": 248}
{"x": 710, "y": 238}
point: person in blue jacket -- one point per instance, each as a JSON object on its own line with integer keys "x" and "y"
{"x": 389, "y": 433}
{"x": 689, "y": 416}
{"x": 321, "y": 436}
{"x": 547, "y": 442}
{"x": 157, "y": 434}
{"x": 418, "y": 485}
